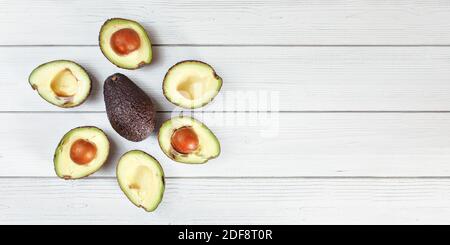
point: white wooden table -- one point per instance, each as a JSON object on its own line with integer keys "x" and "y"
{"x": 361, "y": 129}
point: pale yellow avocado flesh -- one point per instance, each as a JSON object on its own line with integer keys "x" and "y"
{"x": 209, "y": 146}
{"x": 65, "y": 167}
{"x": 133, "y": 60}
{"x": 141, "y": 178}
{"x": 61, "y": 82}
{"x": 191, "y": 84}
{"x": 64, "y": 84}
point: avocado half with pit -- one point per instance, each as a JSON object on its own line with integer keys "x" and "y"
{"x": 63, "y": 83}
{"x": 141, "y": 178}
{"x": 187, "y": 140}
{"x": 125, "y": 43}
{"x": 81, "y": 152}
{"x": 191, "y": 84}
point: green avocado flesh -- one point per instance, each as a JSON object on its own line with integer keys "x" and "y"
{"x": 65, "y": 161}
{"x": 141, "y": 178}
{"x": 209, "y": 146}
{"x": 191, "y": 84}
{"x": 133, "y": 60}
{"x": 62, "y": 83}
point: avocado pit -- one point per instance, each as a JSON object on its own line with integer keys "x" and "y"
{"x": 83, "y": 152}
{"x": 184, "y": 140}
{"x": 64, "y": 84}
{"x": 125, "y": 41}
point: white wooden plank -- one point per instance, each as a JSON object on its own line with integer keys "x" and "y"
{"x": 230, "y": 201}
{"x": 297, "y": 78}
{"x": 256, "y": 144}
{"x": 286, "y": 22}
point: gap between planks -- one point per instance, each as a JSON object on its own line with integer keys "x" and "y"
{"x": 230, "y": 112}
{"x": 240, "y": 45}
{"x": 254, "y": 177}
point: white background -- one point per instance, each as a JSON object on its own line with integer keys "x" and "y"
{"x": 364, "y": 111}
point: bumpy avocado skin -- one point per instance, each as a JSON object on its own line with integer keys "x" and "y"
{"x": 130, "y": 111}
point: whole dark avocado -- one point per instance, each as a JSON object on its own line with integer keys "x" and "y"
{"x": 130, "y": 111}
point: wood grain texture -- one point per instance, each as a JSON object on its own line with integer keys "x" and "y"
{"x": 230, "y": 201}
{"x": 256, "y": 144}
{"x": 224, "y": 22}
{"x": 311, "y": 55}
{"x": 293, "y": 78}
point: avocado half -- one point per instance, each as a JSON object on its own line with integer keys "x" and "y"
{"x": 81, "y": 152}
{"x": 141, "y": 178}
{"x": 125, "y": 43}
{"x": 63, "y": 83}
{"x": 191, "y": 84}
{"x": 200, "y": 143}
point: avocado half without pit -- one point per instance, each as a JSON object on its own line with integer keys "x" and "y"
{"x": 81, "y": 152}
{"x": 141, "y": 178}
{"x": 62, "y": 83}
{"x": 187, "y": 140}
{"x": 191, "y": 84}
{"x": 125, "y": 43}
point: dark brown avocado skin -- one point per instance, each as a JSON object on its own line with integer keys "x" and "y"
{"x": 130, "y": 111}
